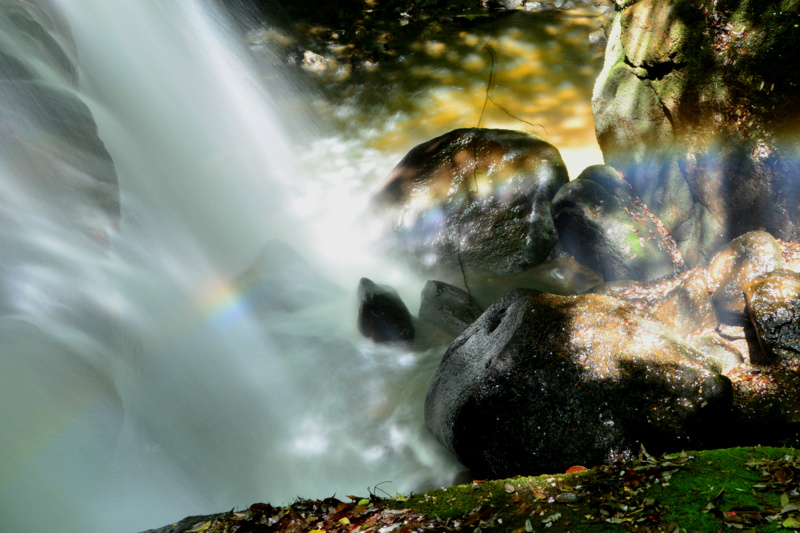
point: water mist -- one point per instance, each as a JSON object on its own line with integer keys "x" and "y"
{"x": 162, "y": 355}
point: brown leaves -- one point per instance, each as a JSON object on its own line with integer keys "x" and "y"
{"x": 623, "y": 499}
{"x": 780, "y": 475}
{"x": 777, "y": 475}
{"x": 334, "y": 516}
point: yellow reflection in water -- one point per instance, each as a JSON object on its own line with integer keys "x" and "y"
{"x": 542, "y": 68}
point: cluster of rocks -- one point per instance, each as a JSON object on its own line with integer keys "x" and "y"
{"x": 646, "y": 347}
{"x": 445, "y": 312}
{"x": 697, "y": 106}
{"x": 653, "y": 300}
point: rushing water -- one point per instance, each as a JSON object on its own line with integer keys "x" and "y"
{"x": 165, "y": 356}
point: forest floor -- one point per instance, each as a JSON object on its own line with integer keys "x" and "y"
{"x": 747, "y": 489}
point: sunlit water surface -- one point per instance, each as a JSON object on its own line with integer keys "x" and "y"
{"x": 162, "y": 365}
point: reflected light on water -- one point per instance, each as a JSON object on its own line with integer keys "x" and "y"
{"x": 542, "y": 70}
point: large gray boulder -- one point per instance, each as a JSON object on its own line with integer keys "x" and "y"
{"x": 541, "y": 382}
{"x": 698, "y": 105}
{"x": 473, "y": 198}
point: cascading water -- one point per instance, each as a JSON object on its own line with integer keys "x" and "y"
{"x": 143, "y": 375}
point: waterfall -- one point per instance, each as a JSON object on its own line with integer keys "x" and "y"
{"x": 162, "y": 355}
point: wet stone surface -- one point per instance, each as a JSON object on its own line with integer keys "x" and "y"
{"x": 447, "y": 308}
{"x": 688, "y": 308}
{"x": 541, "y": 382}
{"x": 473, "y": 198}
{"x": 773, "y": 301}
{"x": 740, "y": 262}
{"x": 382, "y": 315}
{"x": 603, "y": 225}
{"x": 766, "y": 405}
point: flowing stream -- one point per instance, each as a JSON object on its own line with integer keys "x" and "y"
{"x": 164, "y": 351}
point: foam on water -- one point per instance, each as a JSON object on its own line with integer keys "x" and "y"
{"x": 143, "y": 376}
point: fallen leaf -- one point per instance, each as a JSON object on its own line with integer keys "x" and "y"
{"x": 202, "y": 526}
{"x": 791, "y": 522}
{"x": 575, "y": 469}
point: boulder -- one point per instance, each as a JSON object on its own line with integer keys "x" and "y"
{"x": 707, "y": 306}
{"x": 542, "y": 382}
{"x": 382, "y": 315}
{"x": 766, "y": 404}
{"x": 697, "y": 105}
{"x": 447, "y": 308}
{"x": 744, "y": 259}
{"x": 773, "y": 303}
{"x": 605, "y": 226}
{"x": 684, "y": 304}
{"x": 473, "y": 198}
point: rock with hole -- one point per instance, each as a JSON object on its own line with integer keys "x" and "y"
{"x": 542, "y": 382}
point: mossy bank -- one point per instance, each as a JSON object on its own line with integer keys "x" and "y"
{"x": 751, "y": 489}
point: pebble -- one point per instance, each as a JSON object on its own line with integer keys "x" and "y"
{"x": 567, "y": 497}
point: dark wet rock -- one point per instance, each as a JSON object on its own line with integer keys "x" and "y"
{"x": 280, "y": 279}
{"x": 603, "y": 225}
{"x": 474, "y": 198}
{"x": 447, "y": 307}
{"x": 697, "y": 105}
{"x": 541, "y": 382}
{"x": 773, "y": 301}
{"x": 382, "y": 315}
{"x": 743, "y": 260}
{"x": 766, "y": 403}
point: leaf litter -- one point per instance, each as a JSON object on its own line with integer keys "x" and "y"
{"x": 648, "y": 494}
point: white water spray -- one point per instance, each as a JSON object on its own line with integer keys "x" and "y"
{"x": 142, "y": 379}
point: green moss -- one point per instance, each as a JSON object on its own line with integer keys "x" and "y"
{"x": 754, "y": 489}
{"x": 452, "y": 502}
{"x": 695, "y": 497}
{"x": 721, "y": 476}
{"x": 634, "y": 245}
